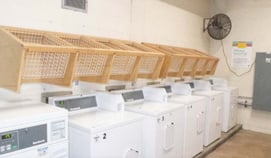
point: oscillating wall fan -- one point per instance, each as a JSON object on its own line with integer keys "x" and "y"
{"x": 218, "y": 27}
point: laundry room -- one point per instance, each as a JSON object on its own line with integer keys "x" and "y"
{"x": 135, "y": 79}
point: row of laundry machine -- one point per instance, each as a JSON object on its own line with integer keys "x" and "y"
{"x": 170, "y": 120}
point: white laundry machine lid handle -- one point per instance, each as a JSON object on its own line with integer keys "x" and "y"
{"x": 200, "y": 122}
{"x": 169, "y": 136}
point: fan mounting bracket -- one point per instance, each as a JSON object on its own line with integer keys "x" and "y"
{"x": 205, "y": 22}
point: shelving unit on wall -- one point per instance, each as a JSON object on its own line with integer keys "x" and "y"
{"x": 126, "y": 64}
{"x": 182, "y": 62}
{"x": 34, "y": 56}
{"x": 94, "y": 61}
{"x": 212, "y": 64}
{"x": 176, "y": 64}
{"x": 150, "y": 66}
{"x": 60, "y": 58}
{"x": 206, "y": 66}
{"x": 147, "y": 67}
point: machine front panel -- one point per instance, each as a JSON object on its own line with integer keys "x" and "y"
{"x": 11, "y": 141}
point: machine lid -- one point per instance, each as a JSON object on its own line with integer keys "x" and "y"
{"x": 25, "y": 113}
{"x": 207, "y": 93}
{"x": 185, "y": 99}
{"x": 224, "y": 88}
{"x": 99, "y": 120}
{"x": 154, "y": 108}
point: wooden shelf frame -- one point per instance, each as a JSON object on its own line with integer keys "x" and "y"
{"x": 124, "y": 63}
{"x": 208, "y": 65}
{"x": 95, "y": 60}
{"x": 180, "y": 62}
{"x": 29, "y": 56}
{"x": 34, "y": 56}
{"x": 61, "y": 58}
{"x": 150, "y": 65}
{"x": 175, "y": 64}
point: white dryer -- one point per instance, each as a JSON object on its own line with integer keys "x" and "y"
{"x": 212, "y": 130}
{"x": 33, "y": 130}
{"x": 195, "y": 107}
{"x": 230, "y": 106}
{"x": 163, "y": 124}
{"x": 99, "y": 129}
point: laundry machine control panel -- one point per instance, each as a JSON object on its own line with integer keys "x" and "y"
{"x": 76, "y": 103}
{"x": 133, "y": 96}
{"x": 18, "y": 139}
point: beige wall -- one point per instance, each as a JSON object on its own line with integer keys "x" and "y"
{"x": 108, "y": 18}
{"x": 159, "y": 22}
{"x": 251, "y": 22}
{"x": 141, "y": 20}
{"x": 199, "y": 7}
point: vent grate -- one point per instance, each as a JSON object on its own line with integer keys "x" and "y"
{"x": 76, "y": 5}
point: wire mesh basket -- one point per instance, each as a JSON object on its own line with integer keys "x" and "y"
{"x": 34, "y": 56}
{"x": 207, "y": 64}
{"x": 185, "y": 62}
{"x": 196, "y": 64}
{"x": 45, "y": 65}
{"x": 130, "y": 63}
{"x": 99, "y": 60}
{"x": 150, "y": 65}
{"x": 94, "y": 61}
{"x": 177, "y": 63}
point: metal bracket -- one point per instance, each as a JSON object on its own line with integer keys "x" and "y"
{"x": 204, "y": 23}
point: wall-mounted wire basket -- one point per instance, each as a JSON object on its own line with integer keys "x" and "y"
{"x": 137, "y": 63}
{"x": 181, "y": 62}
{"x": 151, "y": 63}
{"x": 34, "y": 56}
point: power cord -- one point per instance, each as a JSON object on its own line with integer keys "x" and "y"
{"x": 228, "y": 65}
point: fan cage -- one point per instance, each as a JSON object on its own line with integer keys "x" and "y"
{"x": 219, "y": 26}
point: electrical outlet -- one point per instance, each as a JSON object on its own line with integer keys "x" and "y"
{"x": 245, "y": 101}
{"x": 268, "y": 60}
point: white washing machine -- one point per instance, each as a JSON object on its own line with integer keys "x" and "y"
{"x": 213, "y": 118}
{"x": 99, "y": 128}
{"x": 33, "y": 130}
{"x": 195, "y": 107}
{"x": 163, "y": 124}
{"x": 230, "y": 106}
